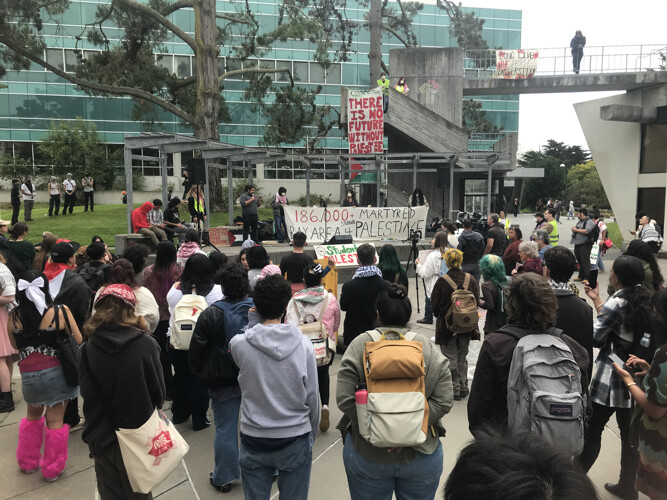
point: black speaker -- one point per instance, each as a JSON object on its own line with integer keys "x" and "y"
{"x": 196, "y": 171}
{"x": 443, "y": 176}
{"x": 340, "y": 239}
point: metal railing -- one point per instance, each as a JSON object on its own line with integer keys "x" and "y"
{"x": 558, "y": 61}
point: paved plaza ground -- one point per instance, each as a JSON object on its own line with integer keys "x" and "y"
{"x": 328, "y": 481}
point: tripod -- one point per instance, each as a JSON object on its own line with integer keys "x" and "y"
{"x": 412, "y": 257}
{"x": 203, "y": 236}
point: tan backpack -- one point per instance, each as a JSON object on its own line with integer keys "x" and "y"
{"x": 396, "y": 413}
{"x": 317, "y": 332}
{"x": 462, "y": 316}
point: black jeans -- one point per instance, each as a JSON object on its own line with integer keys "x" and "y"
{"x": 577, "y": 56}
{"x": 472, "y": 269}
{"x": 54, "y": 202}
{"x": 112, "y": 480}
{"x": 323, "y": 382}
{"x": 160, "y": 336}
{"x": 583, "y": 254}
{"x": 593, "y": 436}
{"x": 250, "y": 226}
{"x": 190, "y": 397}
{"x": 69, "y": 202}
{"x": 88, "y": 195}
{"x": 72, "y": 416}
{"x": 16, "y": 208}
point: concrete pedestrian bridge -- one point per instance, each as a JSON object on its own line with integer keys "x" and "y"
{"x": 603, "y": 68}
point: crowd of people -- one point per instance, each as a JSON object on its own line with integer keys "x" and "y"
{"x": 210, "y": 332}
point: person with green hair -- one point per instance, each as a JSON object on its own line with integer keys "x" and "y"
{"x": 454, "y": 345}
{"x": 493, "y": 292}
{"x": 391, "y": 268}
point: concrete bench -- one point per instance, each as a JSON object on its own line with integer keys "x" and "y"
{"x": 124, "y": 241}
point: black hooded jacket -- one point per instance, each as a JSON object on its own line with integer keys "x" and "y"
{"x": 125, "y": 386}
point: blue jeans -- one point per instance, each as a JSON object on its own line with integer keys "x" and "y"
{"x": 278, "y": 222}
{"x": 416, "y": 480}
{"x": 292, "y": 462}
{"x": 600, "y": 264}
{"x": 226, "y": 442}
{"x": 428, "y": 309}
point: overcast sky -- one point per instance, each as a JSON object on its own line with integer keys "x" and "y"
{"x": 552, "y": 24}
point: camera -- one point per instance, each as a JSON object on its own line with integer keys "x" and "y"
{"x": 415, "y": 236}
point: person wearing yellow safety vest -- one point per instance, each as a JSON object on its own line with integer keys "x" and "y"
{"x": 383, "y": 82}
{"x": 401, "y": 86}
{"x": 504, "y": 222}
{"x": 196, "y": 205}
{"x": 551, "y": 226}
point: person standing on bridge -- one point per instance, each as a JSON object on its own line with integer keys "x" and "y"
{"x": 577, "y": 48}
{"x": 401, "y": 86}
{"x": 383, "y": 83}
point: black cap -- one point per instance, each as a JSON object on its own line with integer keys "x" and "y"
{"x": 63, "y": 251}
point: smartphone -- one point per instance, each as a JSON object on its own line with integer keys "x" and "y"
{"x": 630, "y": 369}
{"x": 593, "y": 278}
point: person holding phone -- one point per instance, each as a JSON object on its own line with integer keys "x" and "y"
{"x": 621, "y": 323}
{"x": 647, "y": 384}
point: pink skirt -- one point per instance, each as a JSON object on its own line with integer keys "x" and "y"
{"x": 6, "y": 348}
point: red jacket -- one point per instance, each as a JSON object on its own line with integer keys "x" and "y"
{"x": 140, "y": 216}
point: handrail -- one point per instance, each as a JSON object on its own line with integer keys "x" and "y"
{"x": 479, "y": 64}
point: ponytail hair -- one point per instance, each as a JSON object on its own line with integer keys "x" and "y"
{"x": 394, "y": 306}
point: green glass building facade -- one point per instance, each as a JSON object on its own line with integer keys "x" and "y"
{"x": 35, "y": 98}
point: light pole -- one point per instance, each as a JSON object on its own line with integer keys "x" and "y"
{"x": 562, "y": 165}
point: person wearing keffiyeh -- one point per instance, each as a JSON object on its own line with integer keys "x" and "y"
{"x": 360, "y": 293}
{"x": 306, "y": 307}
{"x": 278, "y": 205}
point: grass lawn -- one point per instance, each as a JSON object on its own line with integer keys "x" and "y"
{"x": 614, "y": 234}
{"x": 106, "y": 221}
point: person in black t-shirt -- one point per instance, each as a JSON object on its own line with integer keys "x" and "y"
{"x": 294, "y": 263}
{"x": 173, "y": 219}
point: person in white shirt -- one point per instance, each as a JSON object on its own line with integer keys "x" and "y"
{"x": 28, "y": 191}
{"x": 54, "y": 196}
{"x": 430, "y": 271}
{"x": 88, "y": 191}
{"x": 70, "y": 187}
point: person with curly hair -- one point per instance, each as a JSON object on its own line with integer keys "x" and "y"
{"x": 531, "y": 305}
{"x": 493, "y": 292}
{"x": 279, "y": 414}
{"x": 454, "y": 346}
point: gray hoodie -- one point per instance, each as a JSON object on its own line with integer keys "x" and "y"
{"x": 278, "y": 380}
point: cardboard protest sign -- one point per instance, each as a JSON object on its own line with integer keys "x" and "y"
{"x": 342, "y": 255}
{"x": 365, "y": 126}
{"x": 515, "y": 64}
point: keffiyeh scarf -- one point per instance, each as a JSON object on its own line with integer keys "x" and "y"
{"x": 367, "y": 272}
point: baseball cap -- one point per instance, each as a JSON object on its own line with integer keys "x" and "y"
{"x": 120, "y": 291}
{"x": 63, "y": 251}
{"x": 4, "y": 222}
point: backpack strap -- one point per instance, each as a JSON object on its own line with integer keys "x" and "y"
{"x": 450, "y": 281}
{"x": 466, "y": 281}
{"x": 324, "y": 307}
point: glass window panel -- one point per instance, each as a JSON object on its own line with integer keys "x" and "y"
{"x": 333, "y": 74}
{"x": 654, "y": 149}
{"x": 182, "y": 66}
{"x": 221, "y": 65}
{"x": 300, "y": 73}
{"x": 270, "y": 173}
{"x": 283, "y": 77}
{"x": 165, "y": 61}
{"x": 316, "y": 73}
{"x": 55, "y": 57}
{"x": 350, "y": 74}
{"x": 71, "y": 61}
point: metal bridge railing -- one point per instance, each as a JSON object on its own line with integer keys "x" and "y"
{"x": 558, "y": 61}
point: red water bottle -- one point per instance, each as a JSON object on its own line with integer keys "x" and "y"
{"x": 361, "y": 398}
{"x": 361, "y": 394}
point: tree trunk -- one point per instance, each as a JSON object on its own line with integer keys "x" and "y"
{"x": 375, "y": 53}
{"x": 208, "y": 89}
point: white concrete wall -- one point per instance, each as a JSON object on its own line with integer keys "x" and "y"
{"x": 616, "y": 150}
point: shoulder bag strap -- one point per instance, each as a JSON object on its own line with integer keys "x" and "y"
{"x": 324, "y": 307}
{"x": 296, "y": 309}
{"x": 67, "y": 324}
{"x": 98, "y": 387}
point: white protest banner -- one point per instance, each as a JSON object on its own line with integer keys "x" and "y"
{"x": 365, "y": 126}
{"x": 515, "y": 64}
{"x": 342, "y": 255}
{"x": 320, "y": 224}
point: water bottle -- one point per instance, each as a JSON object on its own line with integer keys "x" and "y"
{"x": 361, "y": 398}
{"x": 645, "y": 342}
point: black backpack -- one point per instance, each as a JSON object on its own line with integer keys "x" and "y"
{"x": 93, "y": 276}
{"x": 595, "y": 232}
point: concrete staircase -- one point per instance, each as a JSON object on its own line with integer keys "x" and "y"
{"x": 419, "y": 128}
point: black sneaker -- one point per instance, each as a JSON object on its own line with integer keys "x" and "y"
{"x": 222, "y": 488}
{"x": 425, "y": 321}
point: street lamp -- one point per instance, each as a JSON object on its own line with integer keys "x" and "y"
{"x": 562, "y": 165}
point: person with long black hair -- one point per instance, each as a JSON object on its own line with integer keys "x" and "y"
{"x": 417, "y": 198}
{"x": 391, "y": 267}
{"x": 159, "y": 278}
{"x": 652, "y": 276}
{"x": 190, "y": 396}
{"x": 622, "y": 322}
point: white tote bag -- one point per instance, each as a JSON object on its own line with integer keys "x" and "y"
{"x": 151, "y": 452}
